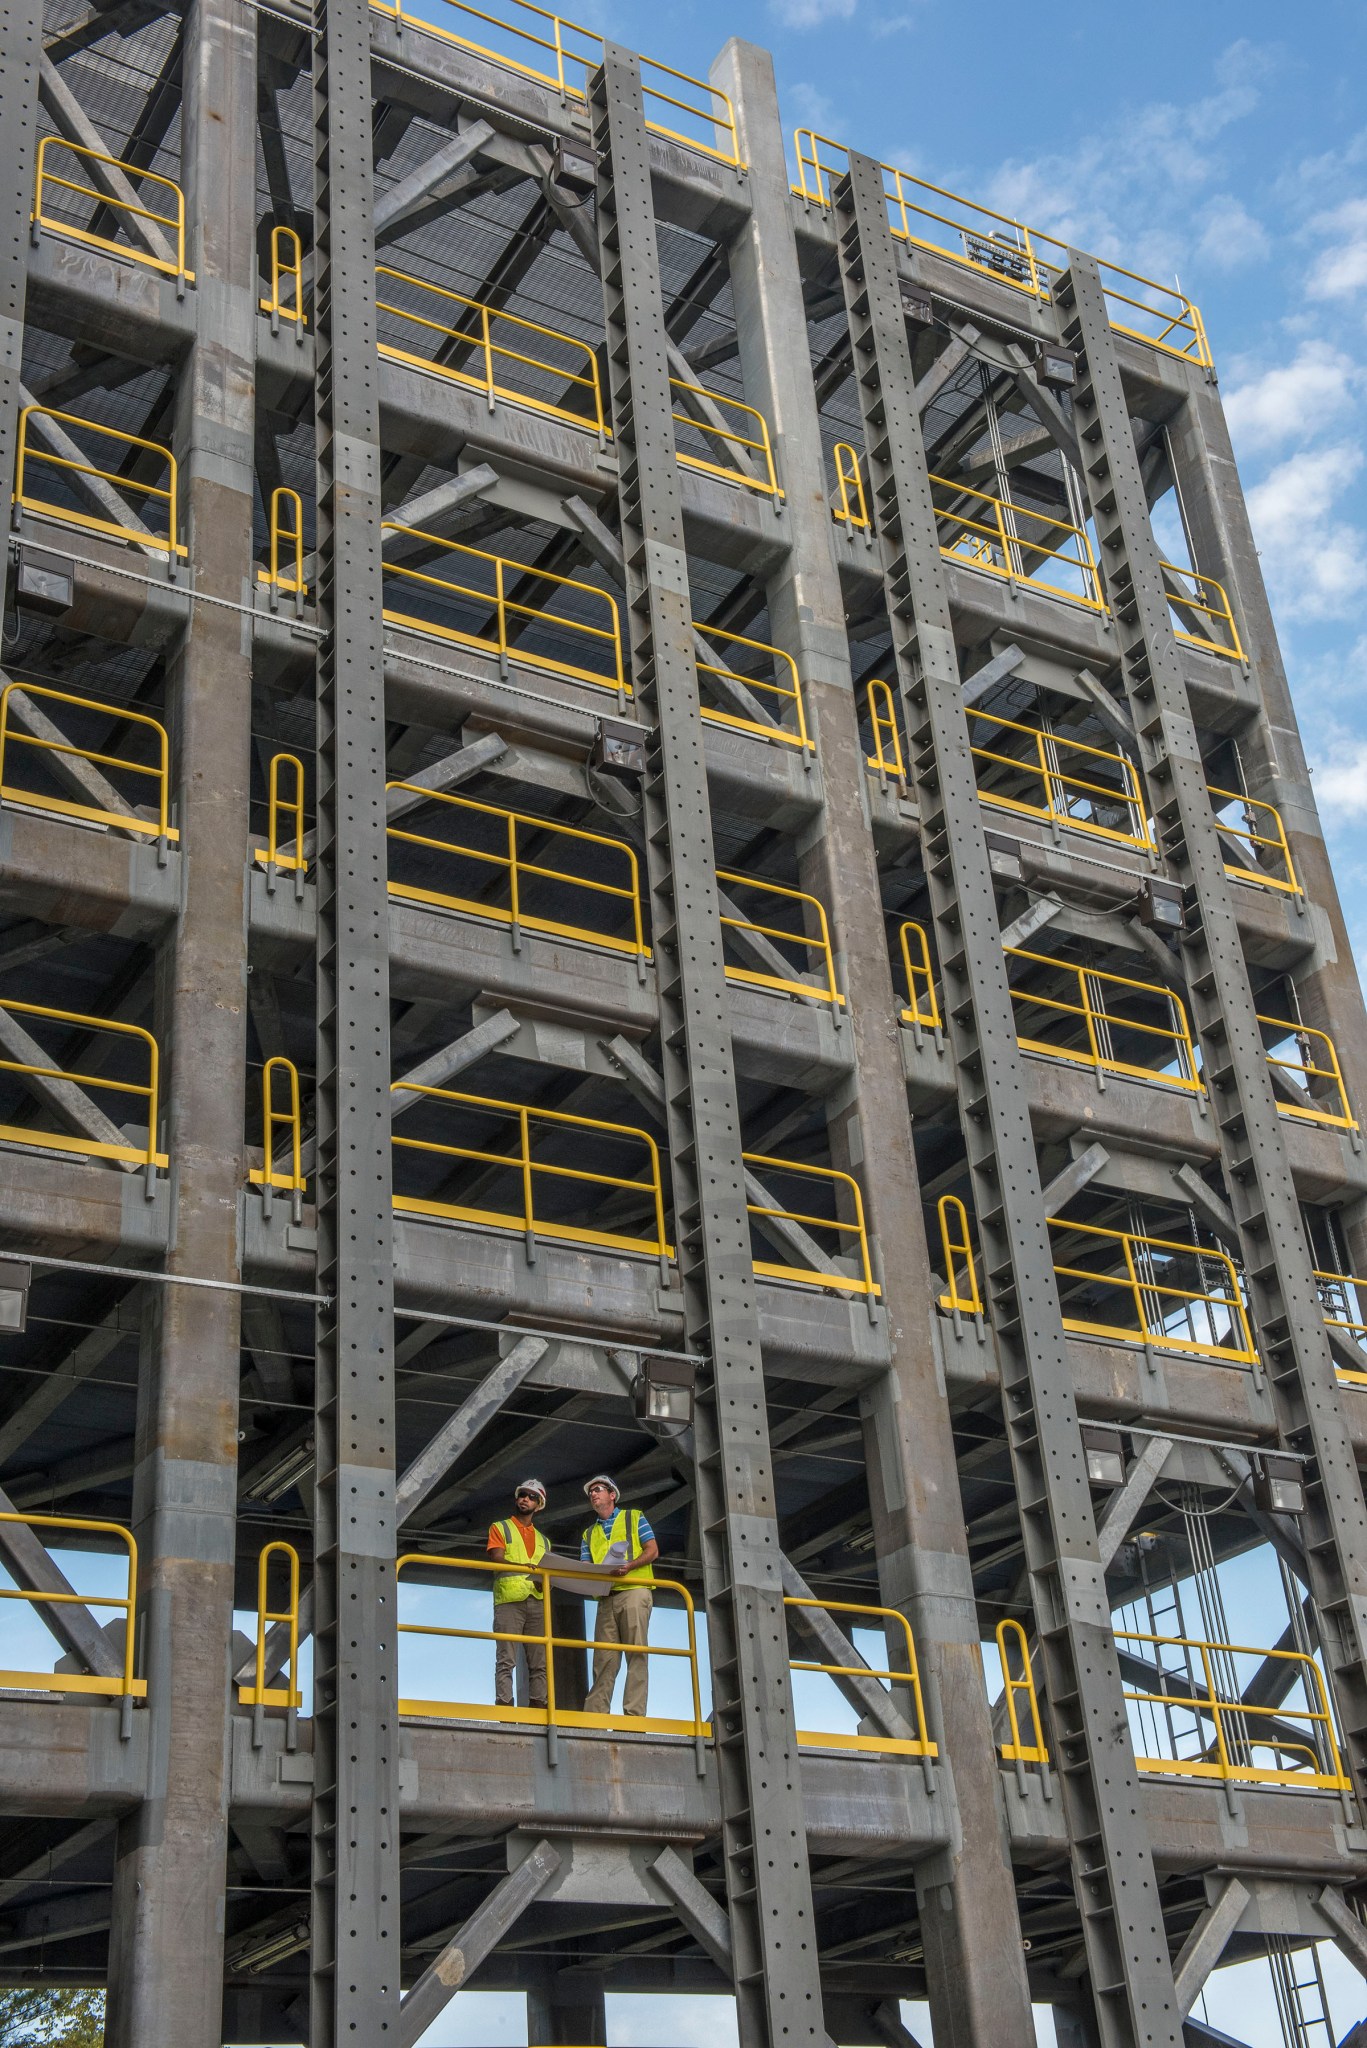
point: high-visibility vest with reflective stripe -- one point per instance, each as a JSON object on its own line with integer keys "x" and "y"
{"x": 602, "y": 1540}
{"x": 516, "y": 1585}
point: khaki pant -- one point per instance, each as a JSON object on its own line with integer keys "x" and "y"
{"x": 623, "y": 1617}
{"x": 520, "y": 1618}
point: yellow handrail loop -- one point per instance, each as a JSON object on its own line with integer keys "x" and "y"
{"x": 910, "y": 1677}
{"x": 447, "y": 321}
{"x": 52, "y": 186}
{"x": 1263, "y": 846}
{"x": 1012, "y": 1639}
{"x": 1174, "y": 1295}
{"x": 425, "y": 601}
{"x": 122, "y": 1685}
{"x": 1204, "y": 1689}
{"x": 503, "y": 831}
{"x": 1194, "y": 599}
{"x": 287, "y": 525}
{"x": 287, "y": 271}
{"x": 1095, "y": 1010}
{"x": 268, "y": 1175}
{"x": 886, "y": 757}
{"x": 998, "y": 246}
{"x": 126, "y": 820}
{"x": 286, "y": 853}
{"x": 853, "y": 509}
{"x": 260, "y": 1694}
{"x": 1034, "y": 780}
{"x": 824, "y": 990}
{"x": 923, "y": 1005}
{"x": 145, "y": 1092}
{"x": 956, "y": 1245}
{"x": 514, "y": 1156}
{"x": 30, "y": 457}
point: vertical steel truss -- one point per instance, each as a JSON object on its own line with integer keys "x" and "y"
{"x": 1276, "y": 1257}
{"x": 764, "y": 1843}
{"x": 1117, "y": 1893}
{"x": 20, "y": 47}
{"x": 356, "y": 1927}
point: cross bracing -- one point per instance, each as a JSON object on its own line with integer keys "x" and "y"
{"x": 698, "y": 638}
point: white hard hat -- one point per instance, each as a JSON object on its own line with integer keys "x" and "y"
{"x": 531, "y": 1486}
{"x": 601, "y": 1479}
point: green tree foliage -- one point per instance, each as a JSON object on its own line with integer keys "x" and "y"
{"x": 51, "y": 2018}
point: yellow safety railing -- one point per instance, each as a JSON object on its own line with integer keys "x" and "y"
{"x": 268, "y": 1174}
{"x": 853, "y": 509}
{"x": 287, "y": 526}
{"x": 1011, "y": 1637}
{"x": 1204, "y": 1691}
{"x": 518, "y": 870}
{"x": 31, "y": 458}
{"x": 449, "y": 321}
{"x": 1203, "y": 607}
{"x": 1269, "y": 846}
{"x": 128, "y": 819}
{"x": 144, "y": 1092}
{"x": 558, "y": 52}
{"x": 1093, "y": 1026}
{"x": 998, "y": 246}
{"x": 1164, "y": 1287}
{"x": 276, "y": 853}
{"x": 260, "y": 1694}
{"x": 789, "y": 693}
{"x": 719, "y": 442}
{"x": 887, "y": 739}
{"x": 1343, "y": 1298}
{"x": 957, "y": 1246}
{"x": 1332, "y": 1106}
{"x": 909, "y": 1676}
{"x": 1078, "y": 799}
{"x": 122, "y": 1685}
{"x": 923, "y": 1005}
{"x": 1018, "y": 542}
{"x": 839, "y": 1184}
{"x": 824, "y": 990}
{"x": 517, "y": 1159}
{"x": 508, "y": 618}
{"x": 553, "y": 1714}
{"x": 53, "y": 185}
{"x": 286, "y": 301}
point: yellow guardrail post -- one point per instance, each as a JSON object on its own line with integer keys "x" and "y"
{"x": 274, "y": 856}
{"x": 1236, "y": 1745}
{"x": 1058, "y": 787}
{"x": 1305, "y": 1070}
{"x": 125, "y": 1687}
{"x": 917, "y": 1013}
{"x": 922, "y": 1745}
{"x": 758, "y": 444}
{"x": 291, "y": 580}
{"x": 147, "y": 1155}
{"x": 956, "y": 1244}
{"x": 287, "y": 267}
{"x": 851, "y": 513}
{"x": 1148, "y": 1295}
{"x": 1337, "y": 1292}
{"x": 1277, "y": 840}
{"x": 266, "y": 1177}
{"x": 1091, "y": 985}
{"x": 886, "y": 757}
{"x": 260, "y": 1696}
{"x": 67, "y": 807}
{"x": 1219, "y": 614}
{"x": 1011, "y": 1635}
{"x": 790, "y": 695}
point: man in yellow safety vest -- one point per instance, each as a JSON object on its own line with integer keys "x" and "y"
{"x": 623, "y": 1539}
{"x": 519, "y": 1609}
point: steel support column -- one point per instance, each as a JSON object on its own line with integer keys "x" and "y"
{"x": 1276, "y": 1257}
{"x": 763, "y": 1836}
{"x": 1117, "y": 1894}
{"x": 169, "y": 1876}
{"x": 356, "y": 1928}
{"x": 21, "y": 43}
{"x": 976, "y": 1979}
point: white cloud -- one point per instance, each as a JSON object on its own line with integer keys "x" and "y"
{"x": 1293, "y": 400}
{"x": 1230, "y": 236}
{"x": 800, "y": 14}
{"x": 813, "y": 109}
{"x": 1315, "y": 562}
{"x": 1341, "y": 783}
{"x": 1340, "y": 269}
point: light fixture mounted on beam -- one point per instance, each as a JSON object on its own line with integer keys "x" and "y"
{"x": 16, "y": 1277}
{"x": 1104, "y": 1450}
{"x": 662, "y": 1396}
